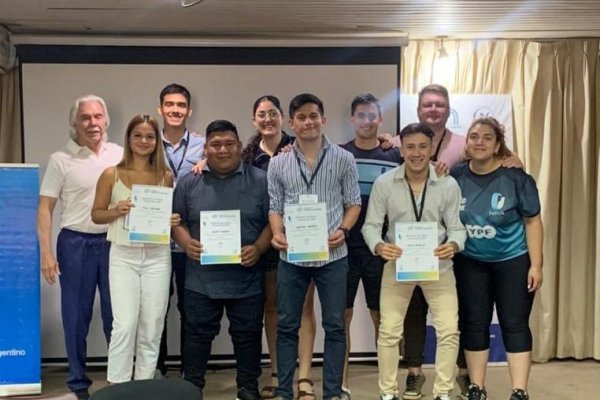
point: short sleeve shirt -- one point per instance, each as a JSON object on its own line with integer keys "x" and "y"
{"x": 71, "y": 177}
{"x": 244, "y": 190}
{"x": 492, "y": 209}
{"x": 370, "y": 164}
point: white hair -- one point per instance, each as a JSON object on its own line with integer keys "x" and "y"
{"x": 75, "y": 109}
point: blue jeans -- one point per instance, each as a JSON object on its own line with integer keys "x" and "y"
{"x": 83, "y": 261}
{"x": 292, "y": 283}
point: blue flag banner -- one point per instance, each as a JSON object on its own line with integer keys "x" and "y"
{"x": 19, "y": 281}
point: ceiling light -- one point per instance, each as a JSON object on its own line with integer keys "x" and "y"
{"x": 190, "y": 3}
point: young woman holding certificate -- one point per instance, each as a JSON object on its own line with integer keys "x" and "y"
{"x": 139, "y": 273}
{"x": 502, "y": 260}
{"x": 269, "y": 140}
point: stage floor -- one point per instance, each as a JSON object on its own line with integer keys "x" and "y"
{"x": 553, "y": 380}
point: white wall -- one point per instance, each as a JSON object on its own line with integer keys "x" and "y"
{"x": 217, "y": 92}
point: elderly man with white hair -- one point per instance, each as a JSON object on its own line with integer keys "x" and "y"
{"x": 81, "y": 261}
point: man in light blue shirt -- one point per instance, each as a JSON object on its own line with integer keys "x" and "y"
{"x": 183, "y": 150}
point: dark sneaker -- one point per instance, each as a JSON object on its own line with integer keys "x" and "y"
{"x": 248, "y": 394}
{"x": 388, "y": 397}
{"x": 476, "y": 393}
{"x": 519, "y": 394}
{"x": 443, "y": 397}
{"x": 463, "y": 383}
{"x": 82, "y": 394}
{"x": 414, "y": 384}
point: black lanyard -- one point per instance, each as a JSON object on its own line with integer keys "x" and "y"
{"x": 314, "y": 174}
{"x": 185, "y": 147}
{"x": 435, "y": 155}
{"x": 419, "y": 212}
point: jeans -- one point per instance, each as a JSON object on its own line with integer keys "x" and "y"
{"x": 203, "y": 322}
{"x": 292, "y": 283}
{"x": 83, "y": 261}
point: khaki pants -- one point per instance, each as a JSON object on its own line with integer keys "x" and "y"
{"x": 442, "y": 300}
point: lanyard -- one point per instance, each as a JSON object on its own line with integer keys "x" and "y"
{"x": 419, "y": 212}
{"x": 435, "y": 155}
{"x": 185, "y": 147}
{"x": 314, "y": 174}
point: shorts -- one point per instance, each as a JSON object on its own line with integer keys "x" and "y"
{"x": 369, "y": 268}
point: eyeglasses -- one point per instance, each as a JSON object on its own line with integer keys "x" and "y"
{"x": 271, "y": 114}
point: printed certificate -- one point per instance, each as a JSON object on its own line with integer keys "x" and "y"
{"x": 220, "y": 237}
{"x": 417, "y": 240}
{"x": 150, "y": 217}
{"x": 306, "y": 232}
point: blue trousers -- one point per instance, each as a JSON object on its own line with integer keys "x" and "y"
{"x": 292, "y": 283}
{"x": 83, "y": 263}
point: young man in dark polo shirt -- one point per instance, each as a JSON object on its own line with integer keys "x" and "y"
{"x": 225, "y": 184}
{"x": 371, "y": 161}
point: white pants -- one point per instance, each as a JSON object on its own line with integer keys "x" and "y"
{"x": 139, "y": 290}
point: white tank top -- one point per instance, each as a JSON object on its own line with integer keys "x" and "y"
{"x": 117, "y": 233}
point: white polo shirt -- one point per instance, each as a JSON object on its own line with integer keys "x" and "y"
{"x": 71, "y": 176}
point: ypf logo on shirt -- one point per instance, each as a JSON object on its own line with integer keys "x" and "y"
{"x": 481, "y": 232}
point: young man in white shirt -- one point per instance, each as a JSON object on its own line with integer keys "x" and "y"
{"x": 414, "y": 193}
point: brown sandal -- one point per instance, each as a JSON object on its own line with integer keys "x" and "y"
{"x": 269, "y": 391}
{"x": 305, "y": 393}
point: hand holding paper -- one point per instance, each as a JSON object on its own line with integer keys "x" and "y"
{"x": 193, "y": 249}
{"x": 388, "y": 251}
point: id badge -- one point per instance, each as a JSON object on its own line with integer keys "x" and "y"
{"x": 308, "y": 199}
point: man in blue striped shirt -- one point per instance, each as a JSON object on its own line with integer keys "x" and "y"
{"x": 316, "y": 170}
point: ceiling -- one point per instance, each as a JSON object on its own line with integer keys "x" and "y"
{"x": 290, "y": 18}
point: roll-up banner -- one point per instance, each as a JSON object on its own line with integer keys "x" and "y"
{"x": 19, "y": 281}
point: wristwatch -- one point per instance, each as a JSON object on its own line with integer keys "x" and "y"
{"x": 346, "y": 232}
